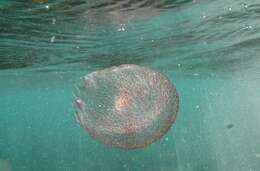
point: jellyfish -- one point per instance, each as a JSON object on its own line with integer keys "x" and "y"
{"x": 127, "y": 106}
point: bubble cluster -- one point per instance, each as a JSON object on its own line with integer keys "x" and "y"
{"x": 126, "y": 106}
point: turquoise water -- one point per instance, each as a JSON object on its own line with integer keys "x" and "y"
{"x": 209, "y": 49}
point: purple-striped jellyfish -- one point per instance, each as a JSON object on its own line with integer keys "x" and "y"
{"x": 127, "y": 106}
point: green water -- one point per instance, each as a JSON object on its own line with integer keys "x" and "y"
{"x": 209, "y": 49}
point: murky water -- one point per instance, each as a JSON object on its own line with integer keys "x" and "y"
{"x": 209, "y": 49}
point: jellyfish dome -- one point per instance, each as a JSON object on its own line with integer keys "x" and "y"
{"x": 126, "y": 106}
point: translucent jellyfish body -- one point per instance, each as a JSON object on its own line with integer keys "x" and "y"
{"x": 127, "y": 106}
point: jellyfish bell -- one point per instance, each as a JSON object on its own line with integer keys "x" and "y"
{"x": 126, "y": 106}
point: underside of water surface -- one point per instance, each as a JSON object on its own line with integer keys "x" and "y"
{"x": 209, "y": 49}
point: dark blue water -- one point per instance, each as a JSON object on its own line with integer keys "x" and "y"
{"x": 209, "y": 49}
